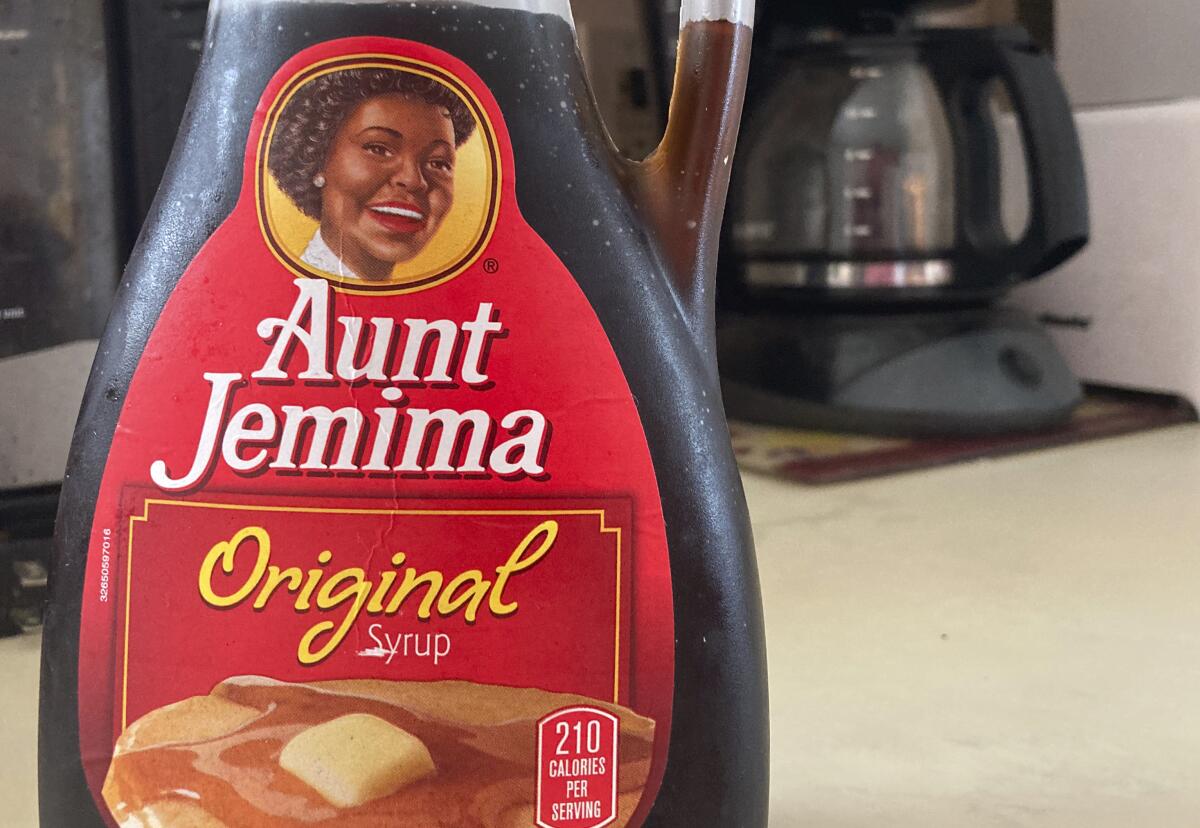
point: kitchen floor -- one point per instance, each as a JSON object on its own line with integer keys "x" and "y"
{"x": 1003, "y": 643}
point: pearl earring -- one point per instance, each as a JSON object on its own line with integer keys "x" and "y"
{"x": 319, "y": 181}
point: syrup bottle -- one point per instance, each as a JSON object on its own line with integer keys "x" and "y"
{"x": 402, "y": 492}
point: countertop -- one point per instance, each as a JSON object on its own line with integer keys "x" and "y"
{"x": 1003, "y": 643}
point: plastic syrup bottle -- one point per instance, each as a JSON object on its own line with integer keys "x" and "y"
{"x": 402, "y": 493}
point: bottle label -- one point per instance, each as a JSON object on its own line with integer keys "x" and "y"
{"x": 379, "y": 539}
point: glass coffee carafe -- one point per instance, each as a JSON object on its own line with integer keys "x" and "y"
{"x": 871, "y": 166}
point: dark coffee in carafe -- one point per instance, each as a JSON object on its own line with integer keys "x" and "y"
{"x": 402, "y": 494}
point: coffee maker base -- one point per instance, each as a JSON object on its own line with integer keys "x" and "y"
{"x": 966, "y": 371}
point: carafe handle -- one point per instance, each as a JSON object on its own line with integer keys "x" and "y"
{"x": 682, "y": 186}
{"x": 1058, "y": 220}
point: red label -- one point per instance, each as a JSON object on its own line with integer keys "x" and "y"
{"x": 379, "y": 480}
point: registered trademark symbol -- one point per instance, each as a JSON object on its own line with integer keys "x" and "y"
{"x": 491, "y": 265}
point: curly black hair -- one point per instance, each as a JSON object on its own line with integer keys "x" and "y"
{"x": 308, "y": 124}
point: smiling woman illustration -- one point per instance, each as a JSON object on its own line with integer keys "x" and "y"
{"x": 370, "y": 154}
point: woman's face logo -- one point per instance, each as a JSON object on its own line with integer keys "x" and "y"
{"x": 380, "y": 179}
{"x": 388, "y": 183}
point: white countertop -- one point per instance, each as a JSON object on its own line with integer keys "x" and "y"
{"x": 1003, "y": 643}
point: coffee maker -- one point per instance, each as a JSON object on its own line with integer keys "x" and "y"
{"x": 867, "y": 248}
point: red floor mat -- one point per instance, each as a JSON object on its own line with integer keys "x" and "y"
{"x": 816, "y": 457}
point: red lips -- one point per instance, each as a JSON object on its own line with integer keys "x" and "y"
{"x": 400, "y": 216}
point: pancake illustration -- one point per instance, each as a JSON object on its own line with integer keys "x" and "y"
{"x": 352, "y": 753}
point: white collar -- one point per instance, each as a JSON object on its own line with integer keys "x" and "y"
{"x": 320, "y": 255}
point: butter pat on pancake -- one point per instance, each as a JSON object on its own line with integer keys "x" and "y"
{"x": 354, "y": 759}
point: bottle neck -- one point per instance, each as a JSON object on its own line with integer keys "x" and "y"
{"x": 256, "y": 32}
{"x": 562, "y": 8}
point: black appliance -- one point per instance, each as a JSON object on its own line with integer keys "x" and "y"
{"x": 94, "y": 91}
{"x": 866, "y": 248}
{"x": 58, "y": 238}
